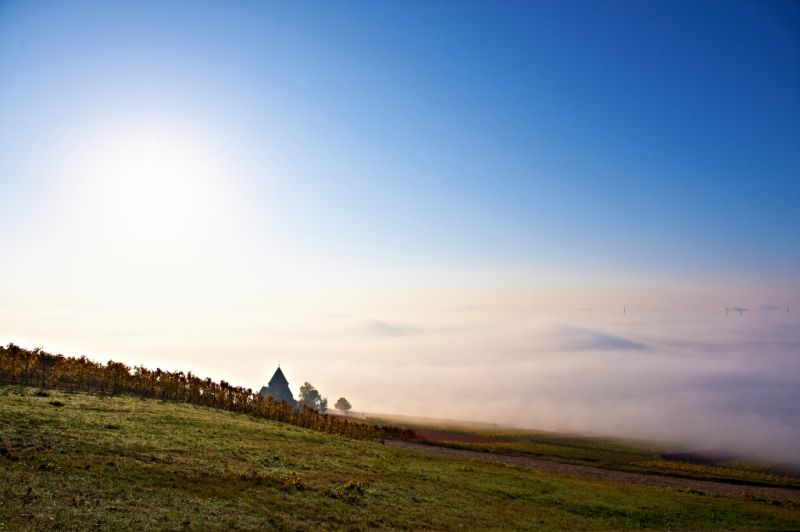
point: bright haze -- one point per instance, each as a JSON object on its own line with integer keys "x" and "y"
{"x": 531, "y": 213}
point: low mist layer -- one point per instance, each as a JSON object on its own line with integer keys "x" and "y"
{"x": 700, "y": 377}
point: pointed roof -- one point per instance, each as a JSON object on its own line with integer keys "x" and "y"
{"x": 278, "y": 378}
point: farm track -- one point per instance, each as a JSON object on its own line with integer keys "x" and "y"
{"x": 661, "y": 481}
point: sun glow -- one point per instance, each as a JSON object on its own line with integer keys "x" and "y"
{"x": 156, "y": 212}
{"x": 155, "y": 188}
{"x": 149, "y": 182}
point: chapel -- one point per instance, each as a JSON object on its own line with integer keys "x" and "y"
{"x": 278, "y": 388}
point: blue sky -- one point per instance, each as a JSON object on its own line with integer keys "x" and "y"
{"x": 658, "y": 136}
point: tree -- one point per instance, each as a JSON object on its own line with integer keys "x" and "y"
{"x": 310, "y": 397}
{"x": 343, "y": 405}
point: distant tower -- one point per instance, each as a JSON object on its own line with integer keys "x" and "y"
{"x": 727, "y": 310}
{"x": 278, "y": 388}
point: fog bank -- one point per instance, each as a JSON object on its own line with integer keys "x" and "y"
{"x": 697, "y": 376}
{"x": 692, "y": 376}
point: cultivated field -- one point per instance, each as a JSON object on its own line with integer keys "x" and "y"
{"x": 81, "y": 461}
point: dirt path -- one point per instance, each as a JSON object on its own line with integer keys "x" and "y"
{"x": 661, "y": 481}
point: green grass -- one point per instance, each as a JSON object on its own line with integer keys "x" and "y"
{"x": 753, "y": 473}
{"x": 609, "y": 453}
{"x": 125, "y": 463}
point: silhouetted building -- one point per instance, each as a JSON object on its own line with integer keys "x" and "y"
{"x": 278, "y": 388}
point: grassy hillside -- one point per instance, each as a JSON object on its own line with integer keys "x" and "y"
{"x": 610, "y": 453}
{"x": 79, "y": 461}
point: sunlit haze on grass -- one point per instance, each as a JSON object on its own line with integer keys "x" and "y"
{"x": 534, "y": 214}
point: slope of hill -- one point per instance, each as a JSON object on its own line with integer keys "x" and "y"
{"x": 80, "y": 461}
{"x": 634, "y": 456}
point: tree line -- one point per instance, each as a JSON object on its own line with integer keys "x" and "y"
{"x": 36, "y": 367}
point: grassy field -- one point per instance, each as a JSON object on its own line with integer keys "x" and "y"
{"x": 610, "y": 453}
{"x": 79, "y": 461}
